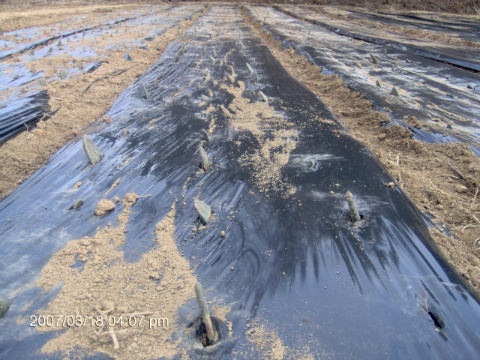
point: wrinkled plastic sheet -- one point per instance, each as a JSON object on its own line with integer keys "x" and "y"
{"x": 456, "y": 55}
{"x": 465, "y": 28}
{"x": 296, "y": 257}
{"x": 429, "y": 90}
{"x": 24, "y": 37}
{"x": 27, "y": 103}
{"x": 154, "y": 22}
{"x": 46, "y": 41}
{"x": 19, "y": 114}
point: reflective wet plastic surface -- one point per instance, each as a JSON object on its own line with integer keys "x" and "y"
{"x": 429, "y": 90}
{"x": 376, "y": 290}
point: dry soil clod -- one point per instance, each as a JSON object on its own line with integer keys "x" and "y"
{"x": 94, "y": 155}
{"x": 202, "y": 304}
{"x": 103, "y": 207}
{"x": 352, "y": 206}
{"x": 203, "y": 210}
{"x": 130, "y": 199}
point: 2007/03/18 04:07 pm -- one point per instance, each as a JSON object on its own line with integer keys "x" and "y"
{"x": 100, "y": 321}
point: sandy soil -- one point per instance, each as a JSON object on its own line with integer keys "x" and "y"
{"x": 442, "y": 179}
{"x": 115, "y": 300}
{"x": 267, "y": 162}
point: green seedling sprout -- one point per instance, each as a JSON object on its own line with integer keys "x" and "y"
{"x": 4, "y": 306}
{"x": 352, "y": 206}
{"x": 91, "y": 150}
{"x": 203, "y": 210}
{"x": 205, "y": 135}
{"x": 202, "y": 304}
{"x": 145, "y": 92}
{"x": 204, "y": 163}
{"x": 265, "y": 98}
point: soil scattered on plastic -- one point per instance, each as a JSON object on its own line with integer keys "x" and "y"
{"x": 272, "y": 131}
{"x": 130, "y": 199}
{"x": 77, "y": 109}
{"x": 104, "y": 206}
{"x": 128, "y": 294}
{"x": 415, "y": 33}
{"x": 266, "y": 341}
{"x": 221, "y": 312}
{"x": 428, "y": 173}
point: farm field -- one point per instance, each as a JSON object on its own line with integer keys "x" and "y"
{"x": 147, "y": 148}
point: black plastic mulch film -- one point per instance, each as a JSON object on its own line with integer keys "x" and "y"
{"x": 430, "y": 90}
{"x": 296, "y": 255}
